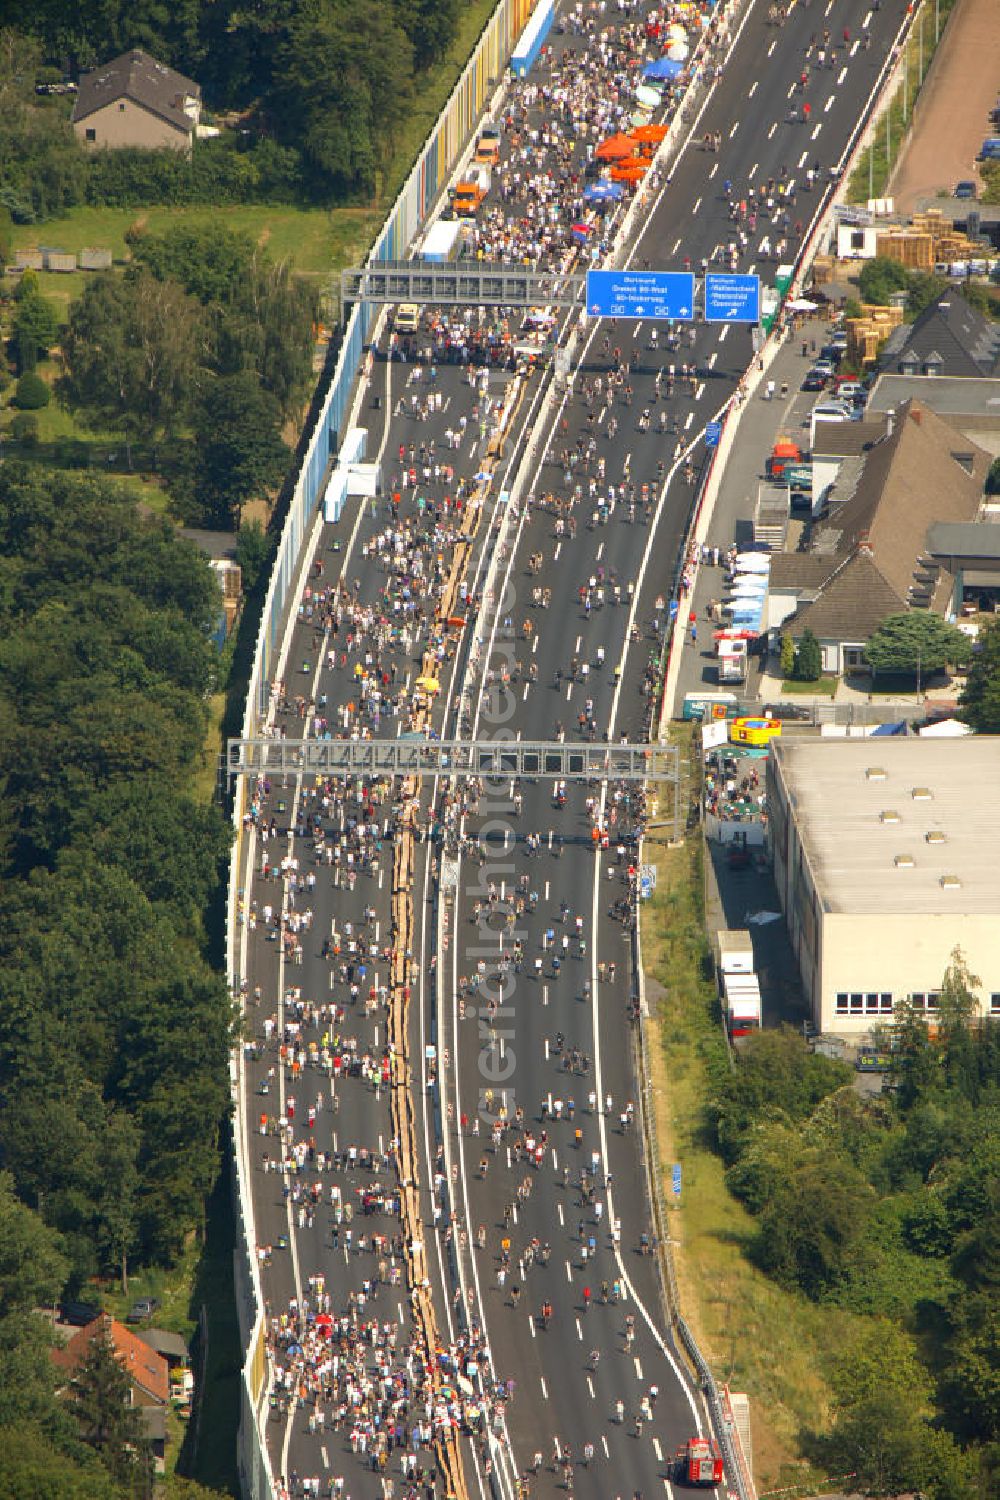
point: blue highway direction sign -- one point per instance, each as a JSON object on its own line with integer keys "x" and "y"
{"x": 732, "y": 299}
{"x": 641, "y": 294}
{"x": 713, "y": 432}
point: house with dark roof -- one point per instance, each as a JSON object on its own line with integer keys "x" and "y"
{"x": 133, "y": 100}
{"x": 870, "y": 555}
{"x": 948, "y": 338}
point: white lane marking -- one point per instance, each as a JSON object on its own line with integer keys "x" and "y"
{"x": 828, "y": 104}
{"x": 867, "y": 21}
{"x": 545, "y": 1389}
{"x": 524, "y": 695}
{"x": 569, "y": 1272}
{"x": 688, "y": 420}
{"x": 638, "y": 1368}
{"x": 733, "y": 128}
{"x": 579, "y": 1331}
{"x": 841, "y": 75}
{"x": 697, "y": 205}
{"x": 752, "y": 269}
{"x": 590, "y": 1388}
{"x": 770, "y": 49}
{"x": 658, "y": 1450}
{"x": 753, "y": 89}
{"x": 569, "y": 689}
{"x": 325, "y": 1457}
{"x": 555, "y": 555}
{"x": 753, "y": 172}
{"x": 579, "y": 641}
{"x": 723, "y": 334}
{"x": 534, "y": 644}
{"x": 854, "y": 47}
{"x": 700, "y": 391}
{"x": 770, "y": 133}
{"x": 816, "y": 130}
{"x": 712, "y": 358}
{"x": 677, "y": 246}
{"x": 791, "y": 90}
{"x": 803, "y": 159}
{"x": 531, "y": 1325}
{"x": 715, "y": 168}
{"x": 604, "y": 1443}
{"x": 562, "y": 1217}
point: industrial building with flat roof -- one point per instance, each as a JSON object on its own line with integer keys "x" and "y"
{"x": 886, "y": 858}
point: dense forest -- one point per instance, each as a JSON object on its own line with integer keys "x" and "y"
{"x": 114, "y": 1027}
{"x": 319, "y": 89}
{"x": 888, "y": 1205}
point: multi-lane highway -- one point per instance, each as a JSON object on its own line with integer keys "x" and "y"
{"x": 521, "y": 968}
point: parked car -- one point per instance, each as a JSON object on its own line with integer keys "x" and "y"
{"x": 832, "y": 353}
{"x": 142, "y": 1310}
{"x": 832, "y": 411}
{"x": 815, "y": 380}
{"x": 828, "y": 366}
{"x": 966, "y": 189}
{"x": 851, "y": 390}
{"x": 838, "y": 340}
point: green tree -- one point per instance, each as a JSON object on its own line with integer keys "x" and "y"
{"x": 134, "y": 351}
{"x": 240, "y": 453}
{"x": 993, "y": 478}
{"x": 32, "y": 393}
{"x": 100, "y": 1403}
{"x": 815, "y": 1217}
{"x": 31, "y": 1468}
{"x": 879, "y": 278}
{"x": 341, "y": 87}
{"x": 35, "y": 326}
{"x": 808, "y": 658}
{"x": 787, "y": 657}
{"x": 957, "y": 1002}
{"x": 979, "y": 703}
{"x": 915, "y": 641}
{"x": 254, "y": 548}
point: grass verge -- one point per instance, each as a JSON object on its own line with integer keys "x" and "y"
{"x": 823, "y": 687}
{"x": 757, "y": 1337}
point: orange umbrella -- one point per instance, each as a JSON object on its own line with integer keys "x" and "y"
{"x": 615, "y": 148}
{"x": 649, "y": 134}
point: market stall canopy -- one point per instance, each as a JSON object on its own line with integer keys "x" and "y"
{"x": 629, "y": 172}
{"x": 602, "y": 192}
{"x": 649, "y": 134}
{"x": 615, "y": 148}
{"x": 650, "y": 98}
{"x": 678, "y": 52}
{"x": 801, "y": 304}
{"x": 663, "y": 68}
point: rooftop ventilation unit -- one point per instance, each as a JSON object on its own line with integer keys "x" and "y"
{"x": 889, "y": 815}
{"x": 904, "y": 862}
{"x": 922, "y": 794}
{"x": 950, "y": 883}
{"x": 936, "y": 836}
{"x": 875, "y": 773}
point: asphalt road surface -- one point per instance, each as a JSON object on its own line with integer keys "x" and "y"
{"x": 564, "y": 1031}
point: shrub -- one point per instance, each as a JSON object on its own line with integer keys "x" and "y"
{"x": 32, "y": 393}
{"x": 787, "y": 656}
{"x": 808, "y": 658}
{"x": 24, "y": 429}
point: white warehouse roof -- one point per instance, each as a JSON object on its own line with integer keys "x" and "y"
{"x": 898, "y": 825}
